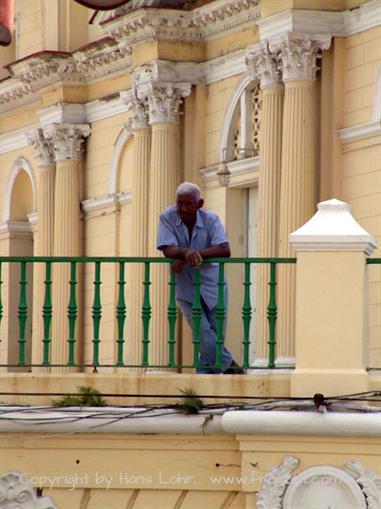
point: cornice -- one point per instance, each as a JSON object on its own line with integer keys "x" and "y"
{"x": 201, "y": 23}
{"x": 363, "y": 18}
{"x": 335, "y": 24}
{"x": 69, "y": 113}
{"x": 104, "y": 108}
{"x": 224, "y": 67}
{"x": 302, "y": 22}
{"x": 112, "y": 200}
{"x": 15, "y": 140}
{"x": 360, "y": 132}
{"x": 36, "y": 72}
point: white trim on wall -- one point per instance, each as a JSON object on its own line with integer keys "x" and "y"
{"x": 229, "y": 113}
{"x": 21, "y": 164}
{"x": 14, "y": 140}
{"x": 123, "y": 137}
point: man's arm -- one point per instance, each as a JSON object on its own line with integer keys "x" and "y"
{"x": 194, "y": 257}
{"x": 220, "y": 251}
{"x": 187, "y": 255}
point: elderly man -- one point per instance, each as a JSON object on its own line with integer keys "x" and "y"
{"x": 189, "y": 234}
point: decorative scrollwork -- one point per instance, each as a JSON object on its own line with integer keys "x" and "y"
{"x": 275, "y": 483}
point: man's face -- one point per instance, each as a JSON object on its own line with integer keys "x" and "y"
{"x": 187, "y": 206}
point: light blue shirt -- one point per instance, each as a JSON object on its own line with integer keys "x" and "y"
{"x": 207, "y": 232}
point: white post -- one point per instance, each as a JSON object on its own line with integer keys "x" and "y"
{"x": 331, "y": 303}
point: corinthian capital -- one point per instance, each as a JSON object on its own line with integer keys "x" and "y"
{"x": 164, "y": 100}
{"x": 67, "y": 139}
{"x": 138, "y": 108}
{"x": 263, "y": 64}
{"x": 299, "y": 55}
{"x": 43, "y": 147}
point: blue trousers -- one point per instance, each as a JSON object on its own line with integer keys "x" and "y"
{"x": 208, "y": 337}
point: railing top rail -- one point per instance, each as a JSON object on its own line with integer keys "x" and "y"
{"x": 373, "y": 261}
{"x": 136, "y": 259}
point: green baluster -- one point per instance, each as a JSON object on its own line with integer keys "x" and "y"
{"x": 47, "y": 313}
{"x": 246, "y": 316}
{"x": 22, "y": 314}
{"x": 196, "y": 316}
{"x": 72, "y": 313}
{"x": 146, "y": 313}
{"x": 220, "y": 314}
{"x": 121, "y": 314}
{"x": 272, "y": 315}
{"x": 172, "y": 315}
{"x": 97, "y": 313}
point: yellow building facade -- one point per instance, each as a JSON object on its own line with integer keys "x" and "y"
{"x": 272, "y": 107}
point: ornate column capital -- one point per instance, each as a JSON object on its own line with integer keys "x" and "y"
{"x": 137, "y": 107}
{"x": 263, "y": 64}
{"x": 299, "y": 55}
{"x": 67, "y": 139}
{"x": 164, "y": 100}
{"x": 43, "y": 147}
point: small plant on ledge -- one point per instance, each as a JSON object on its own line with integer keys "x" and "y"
{"x": 89, "y": 397}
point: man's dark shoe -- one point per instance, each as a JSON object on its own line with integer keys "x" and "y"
{"x": 234, "y": 369}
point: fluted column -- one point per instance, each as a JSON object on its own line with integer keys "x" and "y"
{"x": 67, "y": 140}
{"x": 43, "y": 243}
{"x": 139, "y": 235}
{"x": 163, "y": 102}
{"x": 263, "y": 64}
{"x": 299, "y": 173}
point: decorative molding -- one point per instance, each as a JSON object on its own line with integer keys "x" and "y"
{"x": 335, "y": 24}
{"x": 337, "y": 485}
{"x": 67, "y": 139}
{"x": 21, "y": 164}
{"x": 201, "y": 23}
{"x": 68, "y": 113}
{"x": 302, "y": 22}
{"x": 33, "y": 218}
{"x": 223, "y": 67}
{"x": 369, "y": 482}
{"x": 332, "y": 228}
{"x": 33, "y": 73}
{"x": 42, "y": 146}
{"x": 360, "y": 132}
{"x": 296, "y": 423}
{"x": 363, "y": 18}
{"x": 243, "y": 173}
{"x": 17, "y": 491}
{"x": 106, "y": 201}
{"x": 101, "y": 58}
{"x": 104, "y": 108}
{"x": 164, "y": 100}
{"x": 137, "y": 108}
{"x": 225, "y": 131}
{"x": 299, "y": 55}
{"x": 16, "y": 227}
{"x": 124, "y": 197}
{"x": 263, "y": 64}
{"x": 274, "y": 484}
{"x": 14, "y": 93}
{"x": 123, "y": 137}
{"x": 15, "y": 140}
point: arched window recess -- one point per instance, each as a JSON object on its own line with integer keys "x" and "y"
{"x": 239, "y": 141}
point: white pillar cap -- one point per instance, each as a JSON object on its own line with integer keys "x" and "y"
{"x": 332, "y": 228}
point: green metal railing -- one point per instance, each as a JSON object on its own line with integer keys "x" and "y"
{"x": 121, "y": 311}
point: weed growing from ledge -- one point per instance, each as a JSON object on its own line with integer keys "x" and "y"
{"x": 190, "y": 403}
{"x": 89, "y": 397}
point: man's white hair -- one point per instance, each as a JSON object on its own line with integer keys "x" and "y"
{"x": 189, "y": 188}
